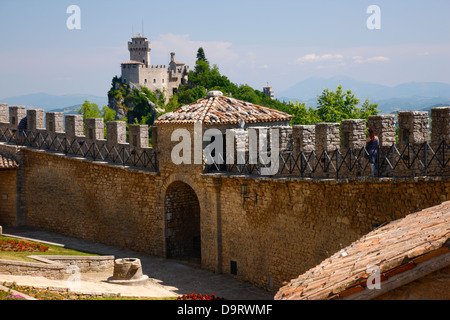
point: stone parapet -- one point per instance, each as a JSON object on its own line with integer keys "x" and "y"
{"x": 71, "y": 135}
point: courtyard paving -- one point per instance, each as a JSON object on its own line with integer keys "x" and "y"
{"x": 167, "y": 278}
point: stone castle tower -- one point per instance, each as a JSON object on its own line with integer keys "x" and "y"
{"x": 138, "y": 72}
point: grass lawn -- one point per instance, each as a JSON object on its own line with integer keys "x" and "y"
{"x": 52, "y": 250}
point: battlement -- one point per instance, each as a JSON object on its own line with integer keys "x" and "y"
{"x": 413, "y": 128}
{"x": 407, "y": 146}
{"x": 71, "y": 135}
{"x": 95, "y": 139}
{"x": 158, "y": 67}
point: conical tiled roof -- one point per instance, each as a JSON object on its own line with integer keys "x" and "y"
{"x": 217, "y": 109}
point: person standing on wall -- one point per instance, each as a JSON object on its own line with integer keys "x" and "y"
{"x": 372, "y": 150}
{"x": 22, "y": 127}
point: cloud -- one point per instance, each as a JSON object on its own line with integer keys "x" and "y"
{"x": 360, "y": 59}
{"x": 312, "y": 57}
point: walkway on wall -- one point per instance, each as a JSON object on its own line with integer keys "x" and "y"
{"x": 171, "y": 277}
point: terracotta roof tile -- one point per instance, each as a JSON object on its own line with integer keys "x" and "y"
{"x": 217, "y": 109}
{"x": 396, "y": 247}
{"x": 7, "y": 162}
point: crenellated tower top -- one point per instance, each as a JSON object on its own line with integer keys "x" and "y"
{"x": 140, "y": 48}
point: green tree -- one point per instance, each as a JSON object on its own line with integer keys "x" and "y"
{"x": 334, "y": 106}
{"x": 89, "y": 110}
{"x": 201, "y": 55}
{"x": 108, "y": 114}
{"x": 301, "y": 114}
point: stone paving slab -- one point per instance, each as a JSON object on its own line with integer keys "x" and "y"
{"x": 167, "y": 278}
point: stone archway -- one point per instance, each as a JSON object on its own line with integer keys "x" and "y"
{"x": 182, "y": 223}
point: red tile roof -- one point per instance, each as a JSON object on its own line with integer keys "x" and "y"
{"x": 217, "y": 109}
{"x": 397, "y": 247}
{"x": 7, "y": 162}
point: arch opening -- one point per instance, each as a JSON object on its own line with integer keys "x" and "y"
{"x": 182, "y": 223}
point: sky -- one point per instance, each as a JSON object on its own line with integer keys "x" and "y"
{"x": 255, "y": 42}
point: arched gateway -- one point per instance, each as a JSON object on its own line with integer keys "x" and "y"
{"x": 182, "y": 223}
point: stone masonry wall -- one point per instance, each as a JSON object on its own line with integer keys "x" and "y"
{"x": 93, "y": 201}
{"x": 8, "y": 197}
{"x": 296, "y": 223}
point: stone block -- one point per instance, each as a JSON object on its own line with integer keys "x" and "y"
{"x": 353, "y": 133}
{"x": 327, "y": 137}
{"x": 116, "y": 132}
{"x": 35, "y": 119}
{"x": 236, "y": 145}
{"x": 384, "y": 127}
{"x": 4, "y": 113}
{"x": 139, "y": 136}
{"x": 304, "y": 138}
{"x": 440, "y": 125}
{"x": 95, "y": 128}
{"x": 285, "y": 142}
{"x": 74, "y": 125}
{"x": 413, "y": 127}
{"x": 54, "y": 121}
{"x": 16, "y": 113}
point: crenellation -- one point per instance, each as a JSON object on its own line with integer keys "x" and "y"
{"x": 54, "y": 122}
{"x": 4, "y": 113}
{"x": 139, "y": 136}
{"x": 116, "y": 133}
{"x": 237, "y": 144}
{"x": 413, "y": 127}
{"x": 353, "y": 134}
{"x": 327, "y": 136}
{"x": 35, "y": 119}
{"x": 16, "y": 113}
{"x": 440, "y": 125}
{"x": 74, "y": 126}
{"x": 285, "y": 142}
{"x": 95, "y": 129}
{"x": 304, "y": 138}
{"x": 384, "y": 127}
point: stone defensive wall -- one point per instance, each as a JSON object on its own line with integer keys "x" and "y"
{"x": 261, "y": 229}
{"x": 411, "y": 144}
{"x": 69, "y": 134}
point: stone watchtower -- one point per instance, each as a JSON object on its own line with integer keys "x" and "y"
{"x": 140, "y": 48}
{"x": 138, "y": 72}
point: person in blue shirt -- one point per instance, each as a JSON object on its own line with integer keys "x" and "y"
{"x": 22, "y": 127}
{"x": 372, "y": 143}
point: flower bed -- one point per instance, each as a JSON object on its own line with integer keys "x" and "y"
{"x": 199, "y": 296}
{"x": 21, "y": 246}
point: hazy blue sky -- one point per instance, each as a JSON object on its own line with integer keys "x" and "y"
{"x": 252, "y": 41}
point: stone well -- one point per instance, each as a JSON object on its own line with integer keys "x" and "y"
{"x": 128, "y": 271}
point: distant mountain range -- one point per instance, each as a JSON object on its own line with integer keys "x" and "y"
{"x": 406, "y": 96}
{"x": 49, "y": 102}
